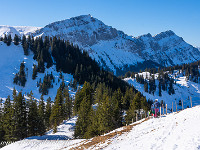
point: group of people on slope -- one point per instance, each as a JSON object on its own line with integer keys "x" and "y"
{"x": 155, "y": 108}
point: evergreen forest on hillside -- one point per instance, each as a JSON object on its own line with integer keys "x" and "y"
{"x": 165, "y": 81}
{"x": 99, "y": 104}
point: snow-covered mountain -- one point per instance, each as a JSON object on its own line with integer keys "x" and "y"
{"x": 114, "y": 49}
{"x": 118, "y": 51}
{"x": 18, "y": 30}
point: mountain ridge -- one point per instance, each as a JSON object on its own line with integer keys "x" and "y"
{"x": 117, "y": 51}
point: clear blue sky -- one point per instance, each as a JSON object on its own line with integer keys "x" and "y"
{"x": 134, "y": 17}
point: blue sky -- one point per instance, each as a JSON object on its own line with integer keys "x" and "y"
{"x": 134, "y": 17}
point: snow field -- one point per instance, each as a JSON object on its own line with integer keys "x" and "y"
{"x": 10, "y": 60}
{"x": 41, "y": 144}
{"x": 178, "y": 131}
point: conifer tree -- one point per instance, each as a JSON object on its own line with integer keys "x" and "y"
{"x": 127, "y": 98}
{"x": 67, "y": 103}
{"x": 5, "y": 39}
{"x": 85, "y": 91}
{"x": 20, "y": 117}
{"x": 92, "y": 127}
{"x": 33, "y": 123}
{"x": 41, "y": 67}
{"x": 159, "y": 89}
{"x": 2, "y": 132}
{"x": 83, "y": 120}
{"x": 8, "y": 124}
{"x": 34, "y": 75}
{"x": 48, "y": 113}
{"x": 20, "y": 78}
{"x": 9, "y": 40}
{"x": 57, "y": 115}
{"x": 41, "y": 114}
{"x": 145, "y": 86}
{"x": 105, "y": 115}
{"x": 135, "y": 105}
{"x": 116, "y": 105}
{"x": 25, "y": 45}
{"x": 16, "y": 39}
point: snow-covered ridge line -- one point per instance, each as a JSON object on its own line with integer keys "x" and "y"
{"x": 118, "y": 51}
{"x": 18, "y": 30}
{"x": 114, "y": 49}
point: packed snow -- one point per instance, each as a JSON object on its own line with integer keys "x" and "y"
{"x": 177, "y": 131}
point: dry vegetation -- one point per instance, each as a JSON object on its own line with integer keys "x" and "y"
{"x": 92, "y": 143}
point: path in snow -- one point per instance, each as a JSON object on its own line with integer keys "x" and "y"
{"x": 178, "y": 131}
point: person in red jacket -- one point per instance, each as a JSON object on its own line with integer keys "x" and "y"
{"x": 156, "y": 107}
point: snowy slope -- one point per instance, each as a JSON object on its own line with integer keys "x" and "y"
{"x": 183, "y": 91}
{"x": 18, "y": 30}
{"x": 10, "y": 59}
{"x": 50, "y": 140}
{"x": 114, "y": 49}
{"x": 65, "y": 131}
{"x": 178, "y": 131}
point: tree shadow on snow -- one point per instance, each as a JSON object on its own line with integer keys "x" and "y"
{"x": 49, "y": 137}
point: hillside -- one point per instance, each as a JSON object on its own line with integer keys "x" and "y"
{"x": 174, "y": 131}
{"x": 10, "y": 58}
{"x": 184, "y": 89}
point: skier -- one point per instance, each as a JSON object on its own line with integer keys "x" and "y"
{"x": 156, "y": 107}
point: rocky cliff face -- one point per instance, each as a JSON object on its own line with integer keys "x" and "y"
{"x": 82, "y": 29}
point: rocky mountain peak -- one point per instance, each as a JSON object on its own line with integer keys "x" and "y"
{"x": 84, "y": 30}
{"x": 165, "y": 34}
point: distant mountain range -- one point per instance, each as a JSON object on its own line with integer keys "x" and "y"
{"x": 113, "y": 49}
